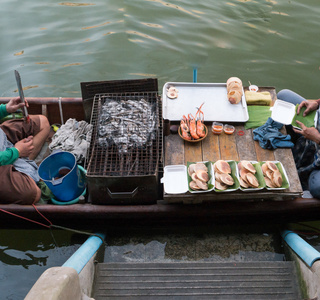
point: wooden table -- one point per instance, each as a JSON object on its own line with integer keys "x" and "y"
{"x": 230, "y": 147}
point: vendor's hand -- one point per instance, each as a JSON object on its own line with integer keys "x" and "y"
{"x": 309, "y": 133}
{"x": 14, "y": 104}
{"x": 310, "y": 106}
{"x": 25, "y": 146}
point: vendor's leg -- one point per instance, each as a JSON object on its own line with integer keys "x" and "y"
{"x": 38, "y": 127}
{"x": 290, "y": 96}
{"x": 40, "y": 137}
{"x": 18, "y": 129}
{"x": 314, "y": 184}
{"x": 17, "y": 187}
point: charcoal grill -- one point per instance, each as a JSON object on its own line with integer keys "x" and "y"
{"x": 125, "y": 149}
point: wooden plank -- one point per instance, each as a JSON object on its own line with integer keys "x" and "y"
{"x": 174, "y": 150}
{"x": 263, "y": 154}
{"x": 228, "y": 148}
{"x": 192, "y": 152}
{"x": 245, "y": 144}
{"x": 210, "y": 148}
{"x": 286, "y": 158}
{"x": 232, "y": 196}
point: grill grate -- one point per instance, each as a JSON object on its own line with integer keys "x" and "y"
{"x": 126, "y": 138}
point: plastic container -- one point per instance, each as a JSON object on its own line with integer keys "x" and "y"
{"x": 258, "y": 175}
{"x": 217, "y": 128}
{"x": 234, "y": 174}
{"x": 253, "y": 88}
{"x": 285, "y": 183}
{"x": 176, "y": 179}
{"x": 283, "y": 112}
{"x": 62, "y": 175}
{"x": 83, "y": 173}
{"x": 228, "y": 129}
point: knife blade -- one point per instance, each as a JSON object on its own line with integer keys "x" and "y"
{"x": 20, "y": 89}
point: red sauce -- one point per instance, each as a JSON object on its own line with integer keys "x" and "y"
{"x": 228, "y": 131}
{"x": 216, "y": 129}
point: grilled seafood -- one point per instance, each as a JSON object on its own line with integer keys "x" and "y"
{"x": 247, "y": 178}
{"x": 193, "y": 127}
{"x": 200, "y": 120}
{"x": 199, "y": 175}
{"x": 222, "y": 175}
{"x": 127, "y": 123}
{"x": 185, "y": 131}
{"x": 221, "y": 166}
{"x": 272, "y": 175}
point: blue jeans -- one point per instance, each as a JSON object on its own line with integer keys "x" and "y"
{"x": 314, "y": 183}
{"x": 290, "y": 96}
{"x": 314, "y": 178}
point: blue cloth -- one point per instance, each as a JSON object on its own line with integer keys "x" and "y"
{"x": 269, "y": 136}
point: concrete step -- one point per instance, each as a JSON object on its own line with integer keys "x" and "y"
{"x": 196, "y": 280}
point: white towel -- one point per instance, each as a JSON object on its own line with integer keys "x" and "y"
{"x": 73, "y": 137}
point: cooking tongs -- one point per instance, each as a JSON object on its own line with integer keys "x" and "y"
{"x": 25, "y": 111}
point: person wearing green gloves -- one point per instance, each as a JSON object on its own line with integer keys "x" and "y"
{"x": 20, "y": 143}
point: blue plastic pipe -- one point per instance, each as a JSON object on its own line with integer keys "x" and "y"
{"x": 306, "y": 252}
{"x": 81, "y": 257}
{"x": 195, "y": 75}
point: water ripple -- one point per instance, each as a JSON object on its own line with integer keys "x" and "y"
{"x": 46, "y": 41}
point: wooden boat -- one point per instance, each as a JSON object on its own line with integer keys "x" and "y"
{"x": 87, "y": 214}
{"x": 83, "y": 276}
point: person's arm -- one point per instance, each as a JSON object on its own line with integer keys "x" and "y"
{"x": 9, "y": 156}
{"x": 3, "y": 111}
{"x": 310, "y": 133}
{"x": 12, "y": 106}
{"x": 22, "y": 148}
{"x": 310, "y": 105}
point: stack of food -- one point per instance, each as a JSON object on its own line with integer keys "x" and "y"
{"x": 234, "y": 90}
{"x": 199, "y": 175}
{"x": 247, "y": 178}
{"x": 222, "y": 171}
{"x": 272, "y": 175}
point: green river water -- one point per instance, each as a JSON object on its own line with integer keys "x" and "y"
{"x": 56, "y": 45}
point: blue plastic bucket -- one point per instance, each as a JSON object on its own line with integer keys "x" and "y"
{"x": 61, "y": 174}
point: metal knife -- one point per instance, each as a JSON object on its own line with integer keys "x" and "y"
{"x": 25, "y": 111}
